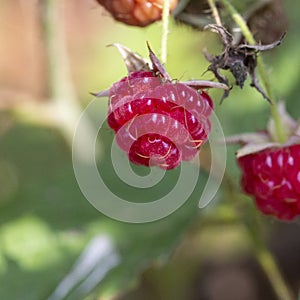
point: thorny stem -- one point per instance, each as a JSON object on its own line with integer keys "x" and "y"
{"x": 280, "y": 134}
{"x": 215, "y": 12}
{"x": 165, "y": 30}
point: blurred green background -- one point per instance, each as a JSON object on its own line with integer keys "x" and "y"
{"x": 45, "y": 221}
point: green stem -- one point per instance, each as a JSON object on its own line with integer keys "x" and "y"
{"x": 248, "y": 216}
{"x": 265, "y": 258}
{"x": 280, "y": 134}
{"x": 270, "y": 267}
{"x": 215, "y": 12}
{"x": 165, "y": 30}
{"x": 232, "y": 215}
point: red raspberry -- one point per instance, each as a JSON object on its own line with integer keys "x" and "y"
{"x": 272, "y": 176}
{"x": 136, "y": 12}
{"x": 158, "y": 123}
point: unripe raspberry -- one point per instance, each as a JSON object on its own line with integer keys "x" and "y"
{"x": 136, "y": 12}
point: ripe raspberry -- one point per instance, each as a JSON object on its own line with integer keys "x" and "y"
{"x": 272, "y": 176}
{"x": 158, "y": 123}
{"x": 136, "y": 12}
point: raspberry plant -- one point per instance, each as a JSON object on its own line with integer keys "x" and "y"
{"x": 157, "y": 121}
{"x": 270, "y": 164}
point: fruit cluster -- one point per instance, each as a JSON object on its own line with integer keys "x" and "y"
{"x": 158, "y": 123}
{"x": 136, "y": 12}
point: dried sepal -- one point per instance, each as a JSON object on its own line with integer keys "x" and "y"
{"x": 240, "y": 60}
{"x": 157, "y": 66}
{"x": 226, "y": 37}
{"x": 104, "y": 93}
{"x": 133, "y": 61}
{"x": 297, "y": 131}
{"x": 258, "y": 141}
{"x": 248, "y": 138}
{"x": 262, "y": 47}
{"x": 254, "y": 148}
{"x": 251, "y": 142}
{"x": 204, "y": 84}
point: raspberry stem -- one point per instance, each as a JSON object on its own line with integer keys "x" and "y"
{"x": 215, "y": 12}
{"x": 269, "y": 265}
{"x": 280, "y": 134}
{"x": 248, "y": 217}
{"x": 165, "y": 30}
{"x": 233, "y": 213}
{"x": 264, "y": 256}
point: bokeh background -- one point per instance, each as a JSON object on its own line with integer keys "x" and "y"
{"x": 45, "y": 221}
